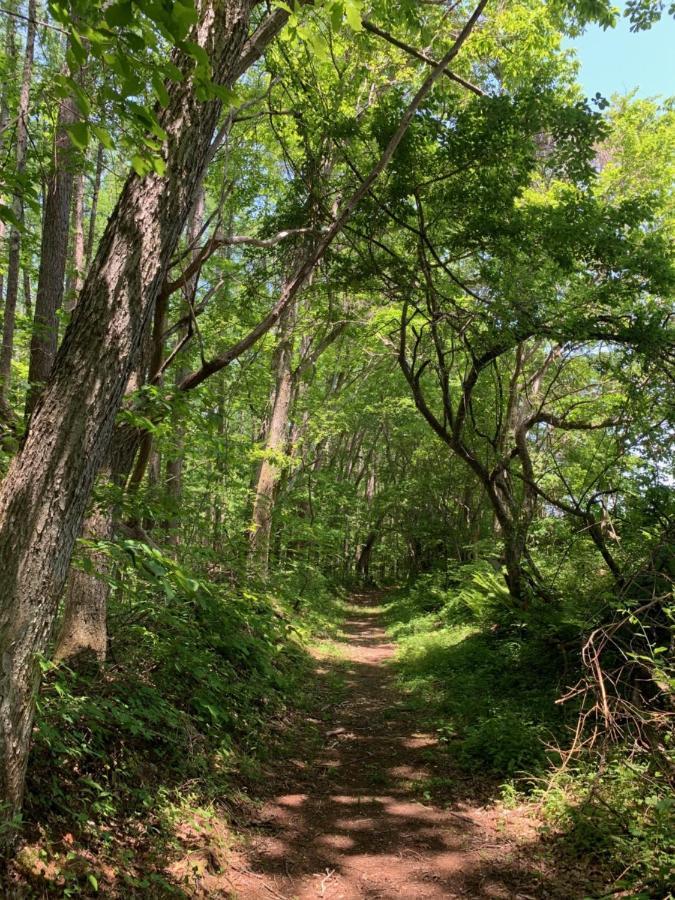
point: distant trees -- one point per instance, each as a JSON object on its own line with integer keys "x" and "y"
{"x": 315, "y": 272}
{"x": 46, "y": 490}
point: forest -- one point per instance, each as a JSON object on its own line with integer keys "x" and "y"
{"x": 336, "y": 470}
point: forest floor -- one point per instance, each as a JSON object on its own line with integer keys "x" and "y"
{"x": 352, "y": 809}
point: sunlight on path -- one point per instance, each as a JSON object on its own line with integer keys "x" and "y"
{"x": 350, "y": 824}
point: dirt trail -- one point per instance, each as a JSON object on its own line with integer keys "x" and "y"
{"x": 350, "y": 823}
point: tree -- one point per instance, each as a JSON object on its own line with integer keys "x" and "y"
{"x": 45, "y": 493}
{"x": 53, "y": 256}
{"x": 49, "y": 492}
{"x": 12, "y": 290}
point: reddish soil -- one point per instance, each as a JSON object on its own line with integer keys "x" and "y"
{"x": 351, "y": 822}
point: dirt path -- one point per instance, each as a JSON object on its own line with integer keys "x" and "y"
{"x": 353, "y": 823}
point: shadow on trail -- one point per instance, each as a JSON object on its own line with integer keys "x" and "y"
{"x": 354, "y": 822}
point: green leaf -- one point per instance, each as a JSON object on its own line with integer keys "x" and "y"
{"x": 77, "y": 48}
{"x": 336, "y": 14}
{"x": 140, "y": 165}
{"x": 227, "y": 95}
{"x": 81, "y": 100}
{"x": 172, "y": 72}
{"x": 198, "y": 53}
{"x": 79, "y": 134}
{"x": 135, "y": 41}
{"x": 183, "y": 16}
{"x": 71, "y": 60}
{"x": 119, "y": 14}
{"x": 7, "y": 215}
{"x": 92, "y": 881}
{"x": 131, "y": 87}
{"x": 160, "y": 90}
{"x": 353, "y": 14}
{"x": 103, "y": 136}
{"x": 158, "y": 165}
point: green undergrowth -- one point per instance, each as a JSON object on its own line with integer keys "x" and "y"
{"x": 488, "y": 688}
{"x": 620, "y": 817}
{"x": 201, "y": 682}
{"x": 486, "y": 680}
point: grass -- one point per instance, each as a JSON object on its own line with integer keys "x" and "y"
{"x": 200, "y": 693}
{"x": 489, "y": 696}
{"x": 489, "y": 691}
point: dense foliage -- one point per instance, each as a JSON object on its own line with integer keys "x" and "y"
{"x": 419, "y": 341}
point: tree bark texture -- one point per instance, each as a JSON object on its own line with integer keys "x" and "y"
{"x": 46, "y": 490}
{"x": 76, "y": 273}
{"x": 14, "y": 261}
{"x": 93, "y": 209}
{"x": 275, "y": 443}
{"x": 53, "y": 256}
{"x": 84, "y": 626}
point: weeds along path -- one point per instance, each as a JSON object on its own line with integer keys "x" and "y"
{"x": 349, "y": 819}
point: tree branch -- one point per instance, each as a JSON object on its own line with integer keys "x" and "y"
{"x": 411, "y": 51}
{"x": 316, "y": 253}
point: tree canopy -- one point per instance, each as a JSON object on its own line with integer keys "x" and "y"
{"x": 307, "y": 297}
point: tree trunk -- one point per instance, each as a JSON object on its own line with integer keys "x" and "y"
{"x": 363, "y": 563}
{"x": 27, "y": 300}
{"x": 84, "y": 627}
{"x": 94, "y": 206}
{"x": 76, "y": 274}
{"x": 275, "y": 443}
{"x": 14, "y": 262}
{"x": 46, "y": 490}
{"x": 53, "y": 256}
{"x": 174, "y": 463}
{"x": 10, "y": 63}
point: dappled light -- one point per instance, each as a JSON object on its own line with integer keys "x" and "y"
{"x": 336, "y": 463}
{"x": 359, "y": 821}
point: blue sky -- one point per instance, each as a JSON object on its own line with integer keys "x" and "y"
{"x": 616, "y": 61}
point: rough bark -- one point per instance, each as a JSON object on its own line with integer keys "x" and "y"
{"x": 27, "y": 297}
{"x": 14, "y": 261}
{"x": 76, "y": 273}
{"x": 275, "y": 444}
{"x": 46, "y": 490}
{"x": 84, "y": 627}
{"x": 53, "y": 256}
{"x": 10, "y": 58}
{"x": 91, "y": 231}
